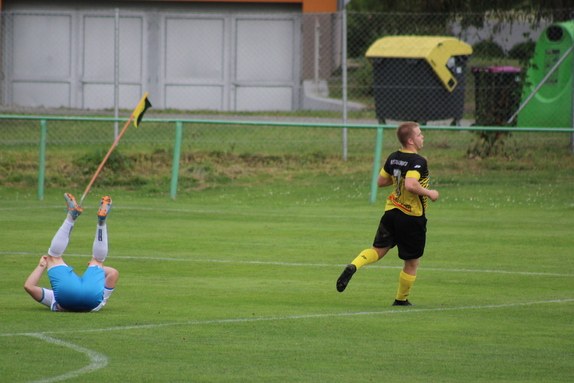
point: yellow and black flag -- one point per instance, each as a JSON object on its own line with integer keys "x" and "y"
{"x": 140, "y": 110}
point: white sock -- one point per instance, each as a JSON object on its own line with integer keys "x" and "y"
{"x": 62, "y": 238}
{"x": 100, "y": 248}
{"x": 107, "y": 293}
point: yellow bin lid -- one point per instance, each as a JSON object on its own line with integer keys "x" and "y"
{"x": 436, "y": 50}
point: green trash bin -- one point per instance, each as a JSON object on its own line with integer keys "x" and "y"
{"x": 419, "y": 78}
{"x": 549, "y": 104}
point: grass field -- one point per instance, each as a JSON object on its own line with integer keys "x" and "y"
{"x": 237, "y": 284}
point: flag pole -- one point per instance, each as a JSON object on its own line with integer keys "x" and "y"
{"x": 137, "y": 113}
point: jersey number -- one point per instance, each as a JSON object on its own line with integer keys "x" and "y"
{"x": 398, "y": 175}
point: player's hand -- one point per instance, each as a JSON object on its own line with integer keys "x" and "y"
{"x": 43, "y": 261}
{"x": 433, "y": 195}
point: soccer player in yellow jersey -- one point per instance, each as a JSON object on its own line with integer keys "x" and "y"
{"x": 404, "y": 223}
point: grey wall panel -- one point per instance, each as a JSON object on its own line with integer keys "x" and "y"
{"x": 253, "y": 98}
{"x": 99, "y": 65}
{"x": 41, "y": 94}
{"x": 101, "y": 96}
{"x": 194, "y": 62}
{"x": 42, "y": 46}
{"x": 194, "y": 49}
{"x": 264, "y": 50}
{"x": 189, "y": 97}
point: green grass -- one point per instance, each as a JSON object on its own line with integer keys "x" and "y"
{"x": 236, "y": 282}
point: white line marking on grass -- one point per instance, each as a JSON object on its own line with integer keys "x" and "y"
{"x": 497, "y": 271}
{"x": 301, "y": 264}
{"x": 29, "y": 208}
{"x": 97, "y": 360}
{"x": 294, "y": 317}
{"x": 251, "y": 213}
{"x": 375, "y": 215}
{"x": 218, "y": 212}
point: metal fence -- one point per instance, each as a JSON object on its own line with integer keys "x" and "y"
{"x": 344, "y": 68}
{"x": 288, "y": 137}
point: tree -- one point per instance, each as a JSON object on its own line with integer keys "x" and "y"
{"x": 473, "y": 12}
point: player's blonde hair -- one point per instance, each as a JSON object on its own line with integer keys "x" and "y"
{"x": 405, "y": 131}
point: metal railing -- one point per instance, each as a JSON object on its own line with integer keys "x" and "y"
{"x": 179, "y": 128}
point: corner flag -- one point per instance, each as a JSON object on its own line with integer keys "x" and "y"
{"x": 136, "y": 117}
{"x": 140, "y": 110}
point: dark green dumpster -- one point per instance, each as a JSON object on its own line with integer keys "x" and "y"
{"x": 419, "y": 78}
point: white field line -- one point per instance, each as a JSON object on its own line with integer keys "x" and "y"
{"x": 295, "y": 317}
{"x": 294, "y": 264}
{"x": 97, "y": 360}
{"x": 201, "y": 211}
{"x": 369, "y": 217}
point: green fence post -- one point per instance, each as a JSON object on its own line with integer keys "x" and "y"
{"x": 376, "y": 164}
{"x": 42, "y": 164}
{"x": 176, "y": 155}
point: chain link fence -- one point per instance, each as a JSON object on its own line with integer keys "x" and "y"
{"x": 512, "y": 70}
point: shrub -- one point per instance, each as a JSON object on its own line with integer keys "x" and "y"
{"x": 89, "y": 162}
{"x": 523, "y": 51}
{"x": 488, "y": 49}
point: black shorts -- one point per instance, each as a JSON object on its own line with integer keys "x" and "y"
{"x": 406, "y": 232}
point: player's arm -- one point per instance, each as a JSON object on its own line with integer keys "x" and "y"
{"x": 384, "y": 179}
{"x": 31, "y": 284}
{"x": 413, "y": 186}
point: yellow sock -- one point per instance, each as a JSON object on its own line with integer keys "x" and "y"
{"x": 406, "y": 281}
{"x": 365, "y": 257}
